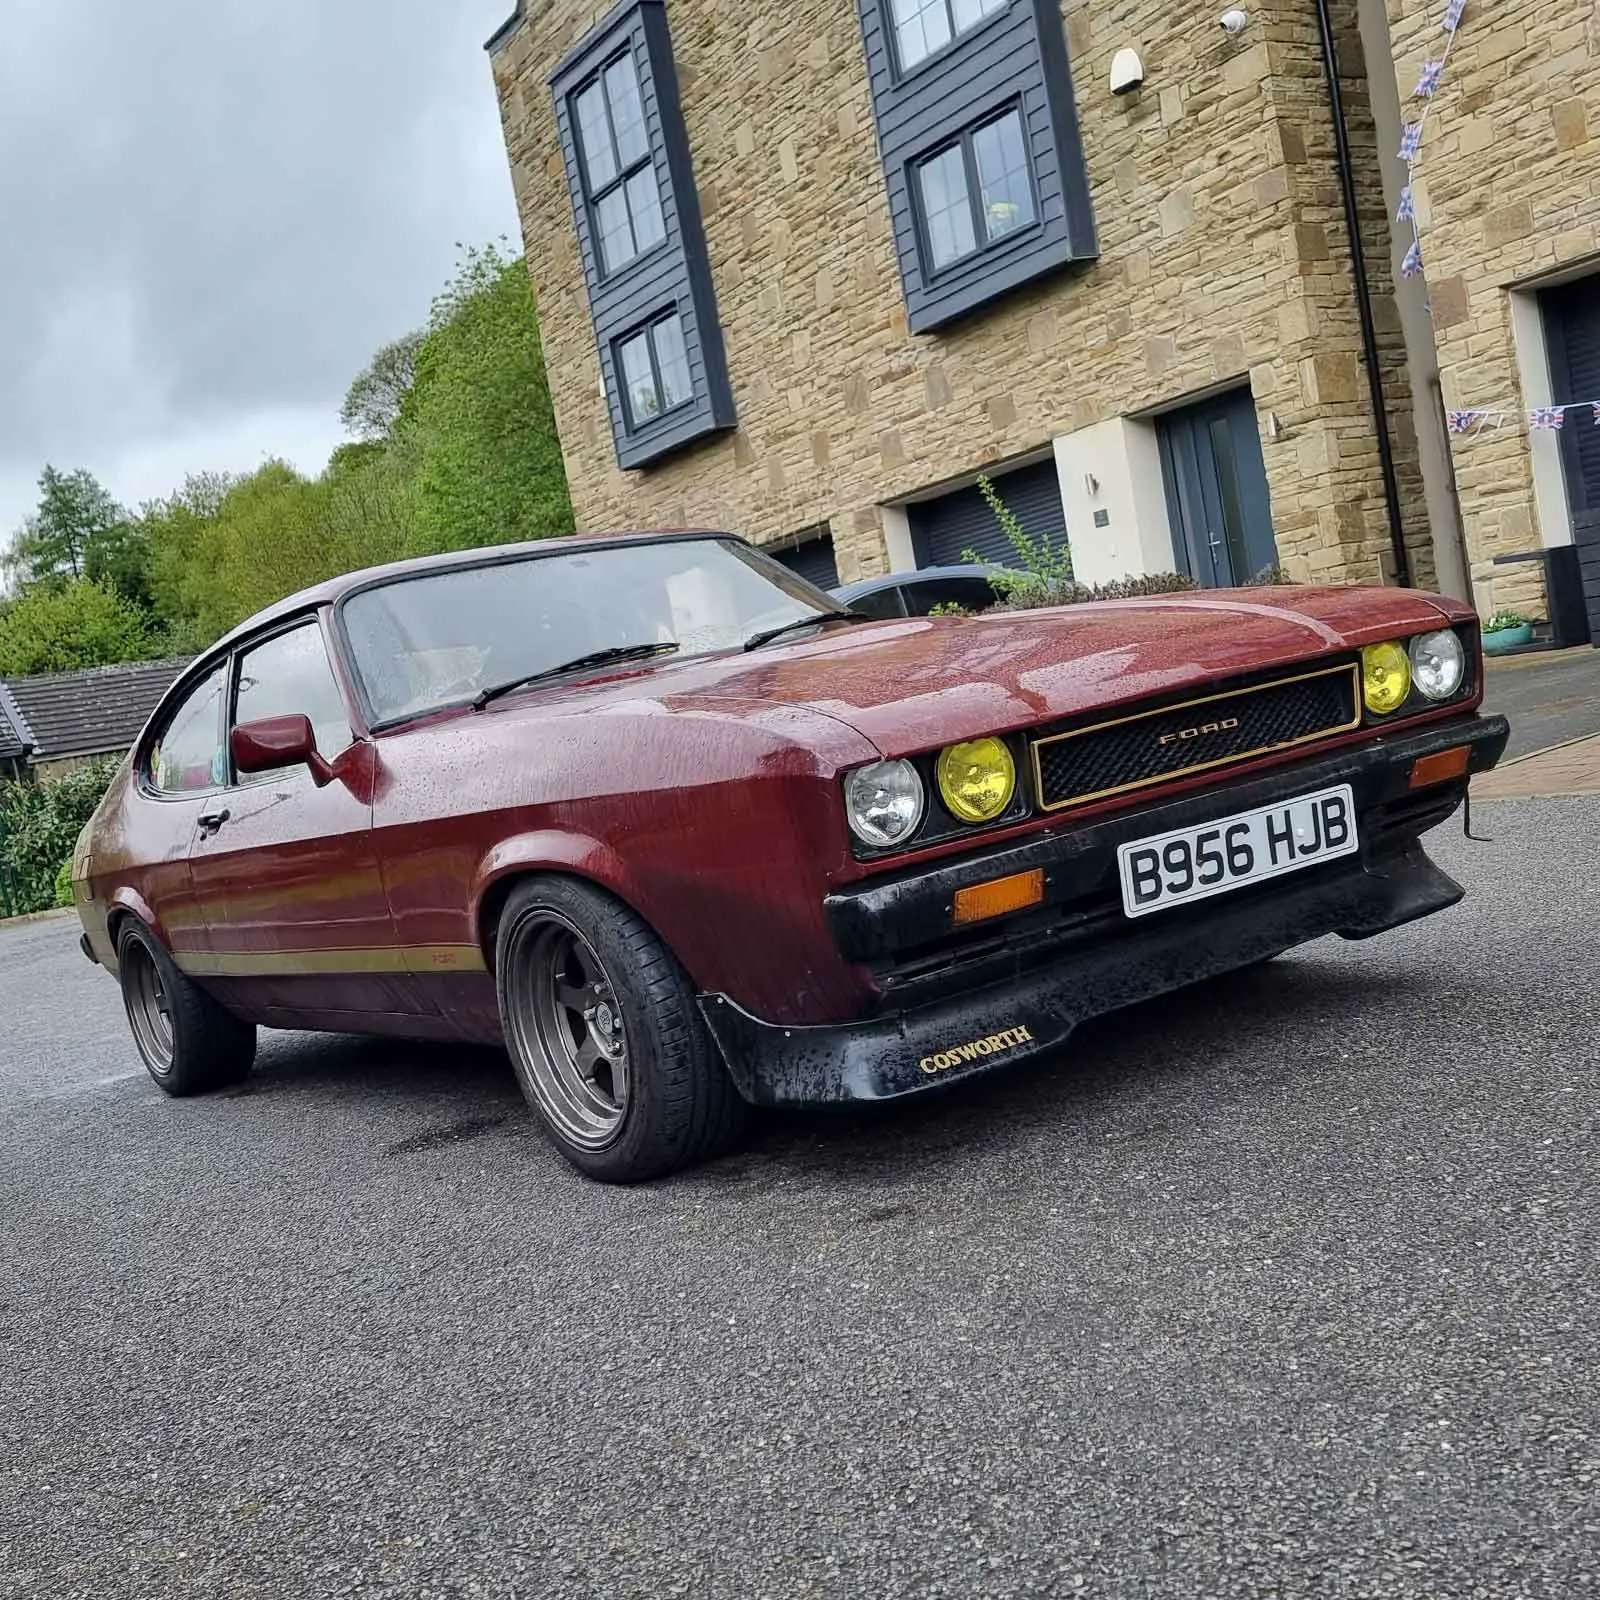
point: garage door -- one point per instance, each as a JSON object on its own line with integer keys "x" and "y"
{"x": 813, "y": 560}
{"x": 941, "y": 529}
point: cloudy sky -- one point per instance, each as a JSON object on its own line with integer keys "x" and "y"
{"x": 213, "y": 211}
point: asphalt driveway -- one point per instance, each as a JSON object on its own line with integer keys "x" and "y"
{"x": 1284, "y": 1287}
{"x": 1550, "y": 697}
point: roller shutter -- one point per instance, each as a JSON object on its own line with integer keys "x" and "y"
{"x": 942, "y": 529}
{"x": 812, "y": 560}
{"x": 1572, "y": 323}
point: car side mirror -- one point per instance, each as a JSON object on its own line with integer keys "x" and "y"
{"x": 272, "y": 742}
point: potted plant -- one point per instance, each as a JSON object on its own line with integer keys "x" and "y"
{"x": 1505, "y": 630}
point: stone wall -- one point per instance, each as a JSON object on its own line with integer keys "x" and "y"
{"x": 1223, "y": 257}
{"x": 1508, "y": 189}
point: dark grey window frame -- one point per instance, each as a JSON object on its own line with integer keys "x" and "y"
{"x": 646, "y": 330}
{"x": 956, "y": 40}
{"x": 965, "y": 137}
{"x": 1017, "y": 56}
{"x": 619, "y": 182}
{"x": 674, "y": 275}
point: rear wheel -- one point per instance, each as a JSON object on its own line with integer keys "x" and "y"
{"x": 187, "y": 1041}
{"x": 603, "y": 1030}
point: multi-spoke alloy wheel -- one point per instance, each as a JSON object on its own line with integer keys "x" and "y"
{"x": 189, "y": 1041}
{"x": 569, "y": 1030}
{"x": 149, "y": 1010}
{"x": 605, "y": 1032}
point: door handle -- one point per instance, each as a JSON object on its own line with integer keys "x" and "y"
{"x": 210, "y": 821}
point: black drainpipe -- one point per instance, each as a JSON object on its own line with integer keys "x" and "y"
{"x": 1358, "y": 265}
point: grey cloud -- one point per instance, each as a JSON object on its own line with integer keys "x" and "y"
{"x": 212, "y": 210}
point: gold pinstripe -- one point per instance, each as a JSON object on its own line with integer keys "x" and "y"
{"x": 412, "y": 958}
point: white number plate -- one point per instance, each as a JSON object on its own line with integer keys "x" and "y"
{"x": 1193, "y": 863}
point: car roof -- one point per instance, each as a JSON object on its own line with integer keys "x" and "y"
{"x": 898, "y": 580}
{"x": 333, "y": 590}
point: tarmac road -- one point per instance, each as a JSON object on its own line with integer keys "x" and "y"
{"x": 1283, "y": 1287}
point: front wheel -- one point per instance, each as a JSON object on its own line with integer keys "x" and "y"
{"x": 188, "y": 1042}
{"x": 603, "y": 1031}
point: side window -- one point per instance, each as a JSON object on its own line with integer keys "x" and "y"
{"x": 881, "y": 603}
{"x": 188, "y": 756}
{"x": 289, "y": 676}
{"x": 973, "y": 593}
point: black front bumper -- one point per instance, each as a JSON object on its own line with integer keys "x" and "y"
{"x": 954, "y": 1005}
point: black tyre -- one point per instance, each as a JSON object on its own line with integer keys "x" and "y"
{"x": 605, "y": 1036}
{"x": 187, "y": 1041}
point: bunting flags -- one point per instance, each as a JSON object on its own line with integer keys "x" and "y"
{"x": 1539, "y": 419}
{"x": 1428, "y": 83}
{"x": 1453, "y": 14}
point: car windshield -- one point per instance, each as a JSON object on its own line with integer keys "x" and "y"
{"x": 443, "y": 637}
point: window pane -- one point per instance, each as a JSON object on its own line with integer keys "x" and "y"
{"x": 289, "y": 676}
{"x": 638, "y": 382}
{"x": 188, "y": 757}
{"x": 1003, "y": 176}
{"x": 945, "y": 206}
{"x": 673, "y": 360}
{"x": 920, "y": 28}
{"x": 594, "y": 136}
{"x": 627, "y": 111}
{"x": 644, "y": 206}
{"x": 969, "y": 13}
{"x": 616, "y": 237}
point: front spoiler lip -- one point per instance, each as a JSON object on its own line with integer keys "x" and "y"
{"x": 908, "y": 1051}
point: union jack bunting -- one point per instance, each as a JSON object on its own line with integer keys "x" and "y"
{"x": 1408, "y": 209}
{"x": 1411, "y": 267}
{"x": 1411, "y": 142}
{"x": 1597, "y": 416}
{"x": 1464, "y": 421}
{"x": 1453, "y": 14}
{"x": 1547, "y": 416}
{"x": 1428, "y": 83}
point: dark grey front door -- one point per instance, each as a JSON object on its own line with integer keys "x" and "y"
{"x": 1216, "y": 484}
{"x": 1572, "y": 330}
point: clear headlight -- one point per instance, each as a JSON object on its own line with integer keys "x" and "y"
{"x": 884, "y": 802}
{"x": 1438, "y": 663}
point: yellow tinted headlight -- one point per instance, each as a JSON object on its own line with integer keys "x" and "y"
{"x": 977, "y": 779}
{"x": 1385, "y": 676}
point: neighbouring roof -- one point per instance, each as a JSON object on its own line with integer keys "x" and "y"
{"x": 97, "y": 712}
{"x": 15, "y": 738}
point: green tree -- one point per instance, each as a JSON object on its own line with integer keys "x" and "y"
{"x": 372, "y": 406}
{"x": 477, "y": 428}
{"x": 53, "y": 545}
{"x": 80, "y": 624}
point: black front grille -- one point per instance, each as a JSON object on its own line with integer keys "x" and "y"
{"x": 1148, "y": 747}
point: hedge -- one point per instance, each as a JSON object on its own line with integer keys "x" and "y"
{"x": 39, "y": 825}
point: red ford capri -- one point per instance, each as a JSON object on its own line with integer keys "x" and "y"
{"x": 686, "y": 837}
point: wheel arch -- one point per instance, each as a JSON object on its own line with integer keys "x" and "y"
{"x": 542, "y": 855}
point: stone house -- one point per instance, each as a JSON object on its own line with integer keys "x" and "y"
{"x": 805, "y": 269}
{"x": 56, "y": 721}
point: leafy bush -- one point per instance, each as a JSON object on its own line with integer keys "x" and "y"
{"x": 1041, "y": 574}
{"x": 40, "y": 824}
{"x": 1505, "y": 619}
{"x": 64, "y": 884}
{"x": 1035, "y": 596}
{"x": 949, "y": 608}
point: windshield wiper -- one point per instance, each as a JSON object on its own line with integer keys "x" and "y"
{"x": 595, "y": 658}
{"x": 767, "y": 635}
